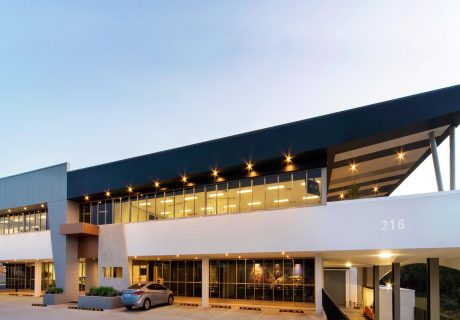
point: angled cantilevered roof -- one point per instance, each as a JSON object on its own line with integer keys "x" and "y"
{"x": 369, "y": 137}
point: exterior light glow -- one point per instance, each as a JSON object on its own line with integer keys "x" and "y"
{"x": 341, "y": 195}
{"x": 388, "y": 285}
{"x": 177, "y": 255}
{"x": 130, "y": 189}
{"x": 184, "y": 179}
{"x": 239, "y": 257}
{"x": 25, "y": 208}
{"x": 288, "y": 159}
{"x": 42, "y": 205}
{"x": 9, "y": 210}
{"x": 348, "y": 264}
{"x": 353, "y": 167}
{"x": 157, "y": 184}
{"x": 375, "y": 189}
{"x": 385, "y": 255}
{"x": 107, "y": 193}
{"x": 283, "y": 253}
{"x": 249, "y": 166}
{"x": 215, "y": 173}
{"x": 226, "y": 254}
{"x": 401, "y": 155}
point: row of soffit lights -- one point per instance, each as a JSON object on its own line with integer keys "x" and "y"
{"x": 400, "y": 157}
{"x": 214, "y": 173}
{"x": 25, "y": 208}
{"x": 226, "y": 255}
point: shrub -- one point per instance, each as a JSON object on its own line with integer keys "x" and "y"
{"x": 53, "y": 290}
{"x": 103, "y": 292}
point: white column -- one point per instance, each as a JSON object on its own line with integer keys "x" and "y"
{"x": 205, "y": 282}
{"x": 319, "y": 284}
{"x": 353, "y": 292}
{"x": 38, "y": 279}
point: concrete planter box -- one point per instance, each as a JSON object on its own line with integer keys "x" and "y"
{"x": 99, "y": 302}
{"x": 51, "y": 299}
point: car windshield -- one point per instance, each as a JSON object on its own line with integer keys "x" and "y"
{"x": 137, "y": 286}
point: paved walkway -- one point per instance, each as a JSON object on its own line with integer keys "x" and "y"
{"x": 354, "y": 314}
{"x": 19, "y": 308}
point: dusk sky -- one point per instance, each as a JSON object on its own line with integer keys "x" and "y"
{"x": 89, "y": 82}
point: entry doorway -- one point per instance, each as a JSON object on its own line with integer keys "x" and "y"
{"x": 335, "y": 285}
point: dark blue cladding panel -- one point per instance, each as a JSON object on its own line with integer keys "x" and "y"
{"x": 425, "y": 110}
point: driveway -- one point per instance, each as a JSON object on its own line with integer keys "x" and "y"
{"x": 19, "y": 308}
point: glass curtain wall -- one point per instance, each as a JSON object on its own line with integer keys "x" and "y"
{"x": 294, "y": 189}
{"x": 28, "y": 221}
{"x": 48, "y": 276}
{"x": 264, "y": 279}
{"x": 181, "y": 276}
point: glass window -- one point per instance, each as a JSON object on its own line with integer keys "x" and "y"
{"x": 258, "y": 193}
{"x": 101, "y": 212}
{"x": 108, "y": 214}
{"x": 222, "y": 198}
{"x": 299, "y": 190}
{"x": 125, "y": 210}
{"x": 142, "y": 209}
{"x": 32, "y": 223}
{"x": 87, "y": 212}
{"x": 272, "y": 191}
{"x": 189, "y": 203}
{"x": 211, "y": 202}
{"x": 94, "y": 212}
{"x": 21, "y": 223}
{"x": 134, "y": 204}
{"x": 160, "y": 205}
{"x": 200, "y": 201}
{"x": 179, "y": 205}
{"x": 169, "y": 205}
{"x": 233, "y": 196}
{"x": 285, "y": 190}
{"x": 150, "y": 207}
{"x": 245, "y": 194}
{"x": 117, "y": 210}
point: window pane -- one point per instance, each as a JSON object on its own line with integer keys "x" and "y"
{"x": 199, "y": 201}
{"x": 134, "y": 209}
{"x": 150, "y": 206}
{"x": 189, "y": 203}
{"x": 258, "y": 193}
{"x": 233, "y": 196}
{"x": 285, "y": 190}
{"x": 245, "y": 193}
{"x": 117, "y": 210}
{"x": 222, "y": 198}
{"x": 160, "y": 205}
{"x": 272, "y": 191}
{"x": 101, "y": 212}
{"x": 299, "y": 190}
{"x": 179, "y": 204}
{"x": 125, "y": 210}
{"x": 211, "y": 195}
{"x": 169, "y": 205}
{"x": 142, "y": 209}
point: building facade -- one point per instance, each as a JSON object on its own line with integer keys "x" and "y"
{"x": 267, "y": 215}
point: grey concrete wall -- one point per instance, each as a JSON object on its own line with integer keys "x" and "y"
{"x": 35, "y": 187}
{"x": 112, "y": 253}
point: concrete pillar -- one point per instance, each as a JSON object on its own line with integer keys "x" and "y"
{"x": 376, "y": 286}
{"x": 65, "y": 248}
{"x": 205, "y": 282}
{"x": 38, "y": 279}
{"x": 396, "y": 292}
{"x": 91, "y": 276}
{"x": 433, "y": 303}
{"x": 319, "y": 284}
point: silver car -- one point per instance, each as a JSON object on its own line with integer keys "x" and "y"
{"x": 146, "y": 294}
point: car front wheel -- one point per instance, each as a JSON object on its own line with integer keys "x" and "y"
{"x": 170, "y": 300}
{"x": 146, "y": 304}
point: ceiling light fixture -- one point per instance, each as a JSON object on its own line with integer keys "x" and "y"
{"x": 156, "y": 183}
{"x": 353, "y": 167}
{"x": 86, "y": 198}
{"x": 130, "y": 189}
{"x": 215, "y": 173}
{"x": 184, "y": 179}
{"x": 401, "y": 155}
{"x": 107, "y": 193}
{"x": 385, "y": 255}
{"x": 249, "y": 166}
{"x": 288, "y": 158}
{"x": 375, "y": 189}
{"x": 341, "y": 195}
{"x": 348, "y": 264}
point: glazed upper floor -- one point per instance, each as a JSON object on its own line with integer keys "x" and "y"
{"x": 375, "y": 147}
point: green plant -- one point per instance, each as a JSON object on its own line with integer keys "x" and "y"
{"x": 53, "y": 290}
{"x": 353, "y": 191}
{"x": 103, "y": 292}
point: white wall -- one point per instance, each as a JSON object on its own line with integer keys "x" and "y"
{"x": 344, "y": 225}
{"x": 26, "y": 246}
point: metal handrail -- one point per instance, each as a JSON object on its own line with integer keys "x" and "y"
{"x": 333, "y": 312}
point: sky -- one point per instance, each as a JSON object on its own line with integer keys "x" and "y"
{"x": 89, "y": 82}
